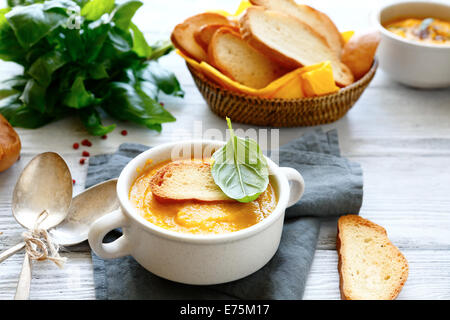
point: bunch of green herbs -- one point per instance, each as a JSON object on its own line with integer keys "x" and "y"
{"x": 85, "y": 58}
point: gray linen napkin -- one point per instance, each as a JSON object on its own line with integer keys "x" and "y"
{"x": 333, "y": 187}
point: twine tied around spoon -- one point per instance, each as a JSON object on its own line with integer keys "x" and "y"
{"x": 39, "y": 245}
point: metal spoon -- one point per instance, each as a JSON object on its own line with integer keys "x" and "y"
{"x": 44, "y": 184}
{"x": 86, "y": 207}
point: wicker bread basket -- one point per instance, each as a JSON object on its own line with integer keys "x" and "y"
{"x": 281, "y": 112}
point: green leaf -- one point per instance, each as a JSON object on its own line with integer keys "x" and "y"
{"x": 20, "y": 115}
{"x": 34, "y": 95}
{"x": 140, "y": 45}
{"x": 93, "y": 123}
{"x": 6, "y": 91}
{"x": 123, "y": 14}
{"x": 120, "y": 40}
{"x": 78, "y": 97}
{"x": 240, "y": 169}
{"x": 13, "y": 3}
{"x": 32, "y": 23}
{"x": 94, "y": 39}
{"x": 74, "y": 44}
{"x": 161, "y": 48}
{"x": 9, "y": 104}
{"x": 12, "y": 86}
{"x": 10, "y": 49}
{"x": 164, "y": 79}
{"x": 126, "y": 102}
{"x": 60, "y": 5}
{"x": 94, "y": 9}
{"x": 98, "y": 71}
{"x": 43, "y": 68}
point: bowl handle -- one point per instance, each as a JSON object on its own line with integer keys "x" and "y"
{"x": 297, "y": 185}
{"x": 101, "y": 227}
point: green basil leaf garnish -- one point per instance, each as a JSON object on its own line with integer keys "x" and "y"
{"x": 240, "y": 168}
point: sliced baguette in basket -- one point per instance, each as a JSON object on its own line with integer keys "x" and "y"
{"x": 186, "y": 180}
{"x": 370, "y": 266}
{"x": 183, "y": 35}
{"x": 318, "y": 20}
{"x": 290, "y": 41}
{"x": 233, "y": 56}
{"x": 205, "y": 34}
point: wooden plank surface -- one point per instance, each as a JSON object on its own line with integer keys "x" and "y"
{"x": 400, "y": 135}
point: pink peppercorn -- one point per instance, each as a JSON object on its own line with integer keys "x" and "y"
{"x": 85, "y": 154}
{"x": 76, "y": 146}
{"x": 82, "y": 161}
{"x": 124, "y": 132}
{"x": 86, "y": 143}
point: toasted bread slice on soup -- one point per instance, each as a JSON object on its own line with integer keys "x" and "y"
{"x": 234, "y": 57}
{"x": 186, "y": 180}
{"x": 370, "y": 266}
{"x": 183, "y": 34}
{"x": 204, "y": 35}
{"x": 290, "y": 41}
{"x": 318, "y": 20}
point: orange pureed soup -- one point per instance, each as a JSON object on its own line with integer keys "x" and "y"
{"x": 195, "y": 216}
{"x": 429, "y": 30}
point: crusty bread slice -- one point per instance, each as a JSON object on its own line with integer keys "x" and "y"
{"x": 186, "y": 180}
{"x": 290, "y": 41}
{"x": 234, "y": 57}
{"x": 359, "y": 51}
{"x": 370, "y": 266}
{"x": 183, "y": 34}
{"x": 318, "y": 20}
{"x": 205, "y": 34}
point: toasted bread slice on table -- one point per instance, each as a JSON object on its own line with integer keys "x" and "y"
{"x": 290, "y": 41}
{"x": 204, "y": 35}
{"x": 370, "y": 266}
{"x": 359, "y": 52}
{"x": 186, "y": 180}
{"x": 318, "y": 20}
{"x": 233, "y": 56}
{"x": 183, "y": 34}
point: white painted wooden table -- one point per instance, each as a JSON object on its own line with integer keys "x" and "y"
{"x": 401, "y": 137}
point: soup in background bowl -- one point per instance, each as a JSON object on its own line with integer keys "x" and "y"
{"x": 429, "y": 30}
{"x": 416, "y": 63}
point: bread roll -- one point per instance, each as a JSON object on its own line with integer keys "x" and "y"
{"x": 9, "y": 145}
{"x": 359, "y": 52}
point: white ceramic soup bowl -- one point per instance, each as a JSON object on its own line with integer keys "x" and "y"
{"x": 192, "y": 258}
{"x": 411, "y": 62}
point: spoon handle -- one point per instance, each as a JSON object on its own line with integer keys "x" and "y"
{"x": 8, "y": 253}
{"x": 23, "y": 286}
